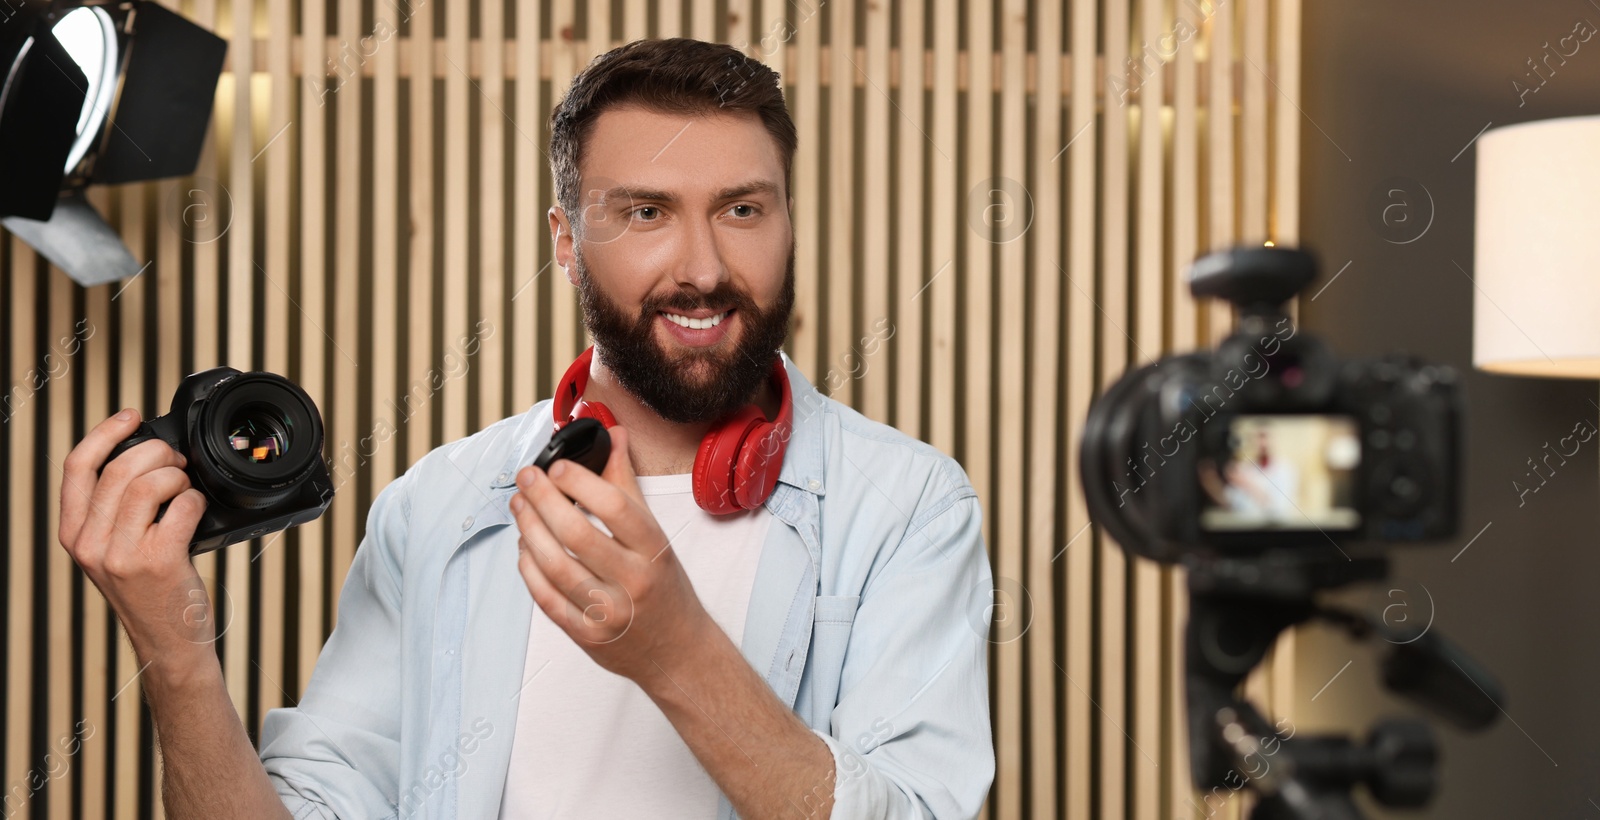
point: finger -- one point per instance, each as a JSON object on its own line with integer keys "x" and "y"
{"x": 80, "y": 472}
{"x": 106, "y": 499}
{"x": 631, "y": 524}
{"x": 565, "y": 572}
{"x": 555, "y": 606}
{"x": 619, "y": 466}
{"x": 143, "y": 498}
{"x": 183, "y": 516}
{"x": 593, "y": 544}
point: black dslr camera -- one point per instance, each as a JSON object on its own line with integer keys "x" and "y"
{"x": 254, "y": 445}
{"x": 1274, "y": 472}
{"x": 1270, "y": 440}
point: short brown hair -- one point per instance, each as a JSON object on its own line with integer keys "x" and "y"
{"x": 678, "y": 76}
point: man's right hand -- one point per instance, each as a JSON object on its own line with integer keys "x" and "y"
{"x": 141, "y": 566}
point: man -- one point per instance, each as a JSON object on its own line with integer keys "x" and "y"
{"x": 501, "y": 652}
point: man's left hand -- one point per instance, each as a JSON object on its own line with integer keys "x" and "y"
{"x": 624, "y": 598}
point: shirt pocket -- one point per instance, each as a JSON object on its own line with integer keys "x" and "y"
{"x": 830, "y": 637}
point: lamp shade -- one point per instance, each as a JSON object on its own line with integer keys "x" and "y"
{"x": 1536, "y": 311}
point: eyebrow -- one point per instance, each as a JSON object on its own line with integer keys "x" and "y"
{"x": 626, "y": 193}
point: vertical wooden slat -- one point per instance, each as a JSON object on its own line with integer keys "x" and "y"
{"x": 805, "y": 102}
{"x": 703, "y": 20}
{"x": 1081, "y": 223}
{"x": 1113, "y": 563}
{"x": 491, "y": 217}
{"x": 739, "y": 25}
{"x": 290, "y": 127}
{"x": 1219, "y": 153}
{"x": 239, "y": 664}
{"x": 99, "y": 628}
{"x": 564, "y": 321}
{"x": 1285, "y": 213}
{"x": 341, "y": 411}
{"x": 96, "y": 359}
{"x": 166, "y": 270}
{"x": 1220, "y": 196}
{"x": 769, "y": 44}
{"x": 1185, "y": 333}
{"x": 530, "y": 218}
{"x": 1253, "y": 202}
{"x": 601, "y": 35}
{"x": 635, "y": 22}
{"x": 1253, "y": 196}
{"x": 456, "y": 214}
{"x": 1007, "y": 226}
{"x": 204, "y": 319}
{"x": 873, "y": 370}
{"x": 23, "y": 433}
{"x": 910, "y": 241}
{"x": 1045, "y": 343}
{"x": 386, "y": 245}
{"x": 274, "y": 549}
{"x": 61, "y": 347}
{"x": 130, "y": 298}
{"x": 417, "y": 400}
{"x": 1146, "y": 610}
{"x": 835, "y": 322}
{"x": 1285, "y": 230}
{"x": 669, "y": 21}
{"x": 317, "y": 92}
{"x": 948, "y": 222}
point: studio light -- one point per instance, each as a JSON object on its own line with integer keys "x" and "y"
{"x": 95, "y": 93}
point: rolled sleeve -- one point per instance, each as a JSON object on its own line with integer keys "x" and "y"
{"x": 337, "y": 753}
{"x": 910, "y": 735}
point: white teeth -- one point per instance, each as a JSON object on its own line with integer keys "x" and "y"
{"x": 696, "y": 324}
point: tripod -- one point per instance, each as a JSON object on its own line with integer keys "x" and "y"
{"x": 1238, "y": 606}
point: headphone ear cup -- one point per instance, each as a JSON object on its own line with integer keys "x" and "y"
{"x": 597, "y": 411}
{"x": 755, "y": 474}
{"x": 714, "y": 465}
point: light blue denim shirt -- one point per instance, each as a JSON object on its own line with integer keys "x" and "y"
{"x": 869, "y": 617}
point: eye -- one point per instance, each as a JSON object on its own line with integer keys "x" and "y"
{"x": 743, "y": 210}
{"x": 647, "y": 213}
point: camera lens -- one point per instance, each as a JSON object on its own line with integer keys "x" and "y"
{"x": 259, "y": 434}
{"x": 260, "y": 437}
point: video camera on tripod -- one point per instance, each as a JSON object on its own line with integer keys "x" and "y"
{"x": 1273, "y": 471}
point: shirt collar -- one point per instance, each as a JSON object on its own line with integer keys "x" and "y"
{"x": 802, "y": 457}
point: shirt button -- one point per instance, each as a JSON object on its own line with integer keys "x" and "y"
{"x": 501, "y": 478}
{"x": 815, "y": 484}
{"x": 467, "y": 524}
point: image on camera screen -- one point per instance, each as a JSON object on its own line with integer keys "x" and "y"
{"x": 1283, "y": 472}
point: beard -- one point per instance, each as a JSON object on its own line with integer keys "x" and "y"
{"x": 692, "y": 385}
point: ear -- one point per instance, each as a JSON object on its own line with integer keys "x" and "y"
{"x": 561, "y": 241}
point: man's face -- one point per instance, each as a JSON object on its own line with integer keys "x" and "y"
{"x": 684, "y": 219}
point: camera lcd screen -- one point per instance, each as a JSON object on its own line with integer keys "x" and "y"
{"x": 1283, "y": 472}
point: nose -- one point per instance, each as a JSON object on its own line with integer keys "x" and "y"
{"x": 700, "y": 263}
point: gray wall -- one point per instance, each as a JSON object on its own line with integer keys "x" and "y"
{"x": 1399, "y": 89}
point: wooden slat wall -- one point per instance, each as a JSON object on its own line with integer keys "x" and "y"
{"x": 1004, "y": 202}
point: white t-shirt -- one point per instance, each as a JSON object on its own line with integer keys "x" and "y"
{"x": 589, "y": 743}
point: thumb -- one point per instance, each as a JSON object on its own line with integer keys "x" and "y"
{"x": 619, "y": 465}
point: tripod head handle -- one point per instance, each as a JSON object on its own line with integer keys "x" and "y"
{"x": 1429, "y": 670}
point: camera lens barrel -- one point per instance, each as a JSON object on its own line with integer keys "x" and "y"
{"x": 258, "y": 436}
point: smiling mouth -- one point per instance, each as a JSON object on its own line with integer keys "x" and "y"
{"x": 696, "y": 324}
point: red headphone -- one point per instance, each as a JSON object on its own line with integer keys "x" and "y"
{"x": 738, "y": 462}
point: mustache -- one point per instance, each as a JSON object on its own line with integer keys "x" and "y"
{"x": 717, "y": 301}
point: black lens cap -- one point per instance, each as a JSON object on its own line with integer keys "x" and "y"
{"x": 583, "y": 440}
